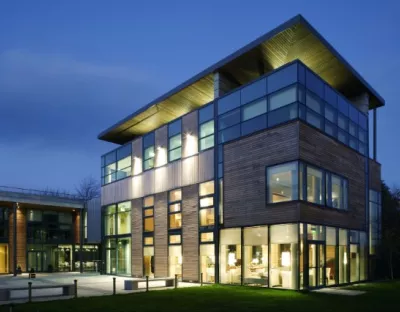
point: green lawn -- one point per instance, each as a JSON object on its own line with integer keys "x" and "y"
{"x": 379, "y": 297}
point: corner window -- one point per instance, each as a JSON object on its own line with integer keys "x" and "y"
{"x": 282, "y": 98}
{"x": 337, "y": 195}
{"x": 254, "y": 109}
{"x": 282, "y": 182}
{"x": 315, "y": 186}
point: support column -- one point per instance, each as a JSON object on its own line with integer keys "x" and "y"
{"x": 374, "y": 135}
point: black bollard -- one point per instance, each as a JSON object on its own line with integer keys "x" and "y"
{"x": 147, "y": 283}
{"x": 114, "y": 287}
{"x": 76, "y": 288}
{"x": 29, "y": 291}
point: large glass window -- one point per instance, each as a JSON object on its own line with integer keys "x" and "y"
{"x": 229, "y": 102}
{"x": 230, "y": 256}
{"x": 256, "y": 256}
{"x": 331, "y": 259}
{"x": 282, "y": 98}
{"x": 175, "y": 261}
{"x": 206, "y": 204}
{"x": 284, "y": 264}
{"x": 124, "y": 218}
{"x": 109, "y": 220}
{"x": 148, "y": 261}
{"x": 175, "y": 140}
{"x": 254, "y": 109}
{"x": 124, "y": 256}
{"x": 117, "y": 164}
{"x": 315, "y": 186}
{"x": 148, "y": 214}
{"x": 174, "y": 209}
{"x": 343, "y": 257}
{"x": 207, "y": 262}
{"x": 149, "y": 151}
{"x": 207, "y": 135}
{"x": 282, "y": 182}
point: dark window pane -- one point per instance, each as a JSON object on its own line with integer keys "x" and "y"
{"x": 254, "y": 124}
{"x": 330, "y": 114}
{"x": 313, "y": 102}
{"x": 282, "y": 98}
{"x": 254, "y": 109}
{"x": 206, "y": 113}
{"x": 229, "y": 119}
{"x": 343, "y": 122}
{"x": 220, "y": 153}
{"x": 362, "y": 148}
{"x": 314, "y": 119}
{"x": 229, "y": 102}
{"x": 314, "y": 83}
{"x": 207, "y": 129}
{"x": 254, "y": 91}
{"x": 330, "y": 128}
{"x": 302, "y": 112}
{"x": 330, "y": 96}
{"x": 282, "y": 78}
{"x": 283, "y": 114}
{"x": 124, "y": 151}
{"x": 353, "y": 128}
{"x": 302, "y": 73}
{"x": 220, "y": 170}
{"x": 362, "y": 120}
{"x": 343, "y": 136}
{"x": 353, "y": 113}
{"x": 343, "y": 106}
{"x": 353, "y": 142}
{"x": 148, "y": 140}
{"x": 362, "y": 135}
{"x": 110, "y": 158}
{"x": 207, "y": 142}
{"x": 229, "y": 134}
{"x": 301, "y": 94}
{"x": 175, "y": 127}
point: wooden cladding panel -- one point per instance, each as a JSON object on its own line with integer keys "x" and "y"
{"x": 77, "y": 228}
{"x": 245, "y": 162}
{"x": 375, "y": 175}
{"x": 21, "y": 239}
{"x": 320, "y": 150}
{"x": 137, "y": 234}
{"x": 161, "y": 234}
{"x": 190, "y": 134}
{"x": 190, "y": 233}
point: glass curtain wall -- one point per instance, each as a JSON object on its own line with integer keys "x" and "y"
{"x": 255, "y": 256}
{"x": 231, "y": 256}
{"x": 331, "y": 256}
{"x": 175, "y": 261}
{"x": 207, "y": 262}
{"x": 343, "y": 257}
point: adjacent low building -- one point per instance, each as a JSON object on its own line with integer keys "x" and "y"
{"x": 256, "y": 171}
{"x": 48, "y": 232}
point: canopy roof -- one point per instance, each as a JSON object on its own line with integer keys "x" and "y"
{"x": 295, "y": 39}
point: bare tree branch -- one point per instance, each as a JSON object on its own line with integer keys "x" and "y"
{"x": 88, "y": 188}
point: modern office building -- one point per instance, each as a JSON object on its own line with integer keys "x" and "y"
{"x": 48, "y": 232}
{"x": 256, "y": 171}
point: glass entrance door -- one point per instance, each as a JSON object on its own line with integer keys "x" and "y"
{"x": 35, "y": 261}
{"x": 316, "y": 265}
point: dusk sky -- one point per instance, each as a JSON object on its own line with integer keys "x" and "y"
{"x": 71, "y": 69}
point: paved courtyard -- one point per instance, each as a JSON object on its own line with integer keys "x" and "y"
{"x": 89, "y": 285}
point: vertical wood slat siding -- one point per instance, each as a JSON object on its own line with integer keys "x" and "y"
{"x": 190, "y": 126}
{"x": 320, "y": 150}
{"x": 11, "y": 240}
{"x": 161, "y": 146}
{"x": 190, "y": 233}
{"x": 190, "y": 170}
{"x": 77, "y": 228}
{"x": 137, "y": 234}
{"x": 21, "y": 239}
{"x": 374, "y": 175}
{"x": 245, "y": 164}
{"x": 161, "y": 234}
{"x": 206, "y": 166}
{"x": 137, "y": 156}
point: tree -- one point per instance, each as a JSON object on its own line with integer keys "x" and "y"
{"x": 390, "y": 229}
{"x": 88, "y": 188}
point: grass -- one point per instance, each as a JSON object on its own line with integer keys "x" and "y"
{"x": 378, "y": 297}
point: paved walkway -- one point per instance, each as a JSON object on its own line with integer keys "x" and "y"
{"x": 89, "y": 285}
{"x": 339, "y": 291}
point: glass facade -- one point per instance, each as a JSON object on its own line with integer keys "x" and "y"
{"x": 116, "y": 165}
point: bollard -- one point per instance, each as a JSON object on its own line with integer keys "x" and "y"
{"x": 11, "y": 306}
{"x": 76, "y": 289}
{"x": 29, "y": 291}
{"x": 201, "y": 279}
{"x": 176, "y": 281}
{"x": 114, "y": 287}
{"x": 147, "y": 283}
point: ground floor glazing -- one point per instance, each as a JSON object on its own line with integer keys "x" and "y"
{"x": 289, "y": 256}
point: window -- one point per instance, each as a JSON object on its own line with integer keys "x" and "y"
{"x": 206, "y": 237}
{"x": 109, "y": 220}
{"x": 375, "y": 215}
{"x": 254, "y": 109}
{"x": 174, "y": 209}
{"x": 175, "y": 239}
{"x": 207, "y": 262}
{"x": 175, "y": 140}
{"x": 230, "y": 256}
{"x": 116, "y": 165}
{"x": 148, "y": 214}
{"x": 282, "y": 98}
{"x": 207, "y": 135}
{"x": 337, "y": 192}
{"x": 254, "y": 91}
{"x": 282, "y": 182}
{"x": 206, "y": 206}
{"x": 313, "y": 102}
{"x": 282, "y": 78}
{"x": 330, "y": 113}
{"x": 206, "y": 113}
{"x": 124, "y": 218}
{"x": 283, "y": 114}
{"x": 175, "y": 221}
{"x": 229, "y": 119}
{"x": 314, "y": 119}
{"x": 149, "y": 151}
{"x": 175, "y": 261}
{"x": 148, "y": 240}
{"x": 315, "y": 186}
{"x": 229, "y": 102}
{"x": 34, "y": 215}
{"x": 175, "y": 195}
{"x": 229, "y": 134}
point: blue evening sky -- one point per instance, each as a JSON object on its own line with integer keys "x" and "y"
{"x": 70, "y": 69}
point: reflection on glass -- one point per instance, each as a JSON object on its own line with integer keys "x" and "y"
{"x": 124, "y": 256}
{"x": 282, "y": 183}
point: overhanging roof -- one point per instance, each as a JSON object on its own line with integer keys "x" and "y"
{"x": 295, "y": 39}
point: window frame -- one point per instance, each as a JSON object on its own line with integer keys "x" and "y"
{"x": 175, "y": 230}
{"x": 203, "y": 138}
{"x": 206, "y": 228}
{"x": 172, "y": 136}
{"x": 144, "y": 217}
